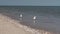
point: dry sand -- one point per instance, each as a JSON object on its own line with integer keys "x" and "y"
{"x": 7, "y": 26}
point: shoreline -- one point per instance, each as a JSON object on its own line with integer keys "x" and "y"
{"x": 7, "y": 26}
{"x": 18, "y": 25}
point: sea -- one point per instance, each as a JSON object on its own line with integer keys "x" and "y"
{"x": 47, "y": 17}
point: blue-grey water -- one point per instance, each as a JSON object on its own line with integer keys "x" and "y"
{"x": 48, "y": 17}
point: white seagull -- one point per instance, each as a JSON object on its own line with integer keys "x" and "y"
{"x": 34, "y": 17}
{"x": 21, "y": 15}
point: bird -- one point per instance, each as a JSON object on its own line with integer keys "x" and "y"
{"x": 21, "y": 16}
{"x": 34, "y": 17}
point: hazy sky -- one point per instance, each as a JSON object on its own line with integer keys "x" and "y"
{"x": 31, "y": 2}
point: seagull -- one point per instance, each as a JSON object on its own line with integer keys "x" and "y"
{"x": 21, "y": 15}
{"x": 34, "y": 19}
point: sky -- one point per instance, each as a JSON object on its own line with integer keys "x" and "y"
{"x": 30, "y": 2}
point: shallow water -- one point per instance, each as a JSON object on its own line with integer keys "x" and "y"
{"x": 47, "y": 17}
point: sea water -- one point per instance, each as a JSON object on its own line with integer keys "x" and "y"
{"x": 48, "y": 17}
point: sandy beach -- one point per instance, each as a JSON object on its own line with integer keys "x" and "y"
{"x": 7, "y": 26}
